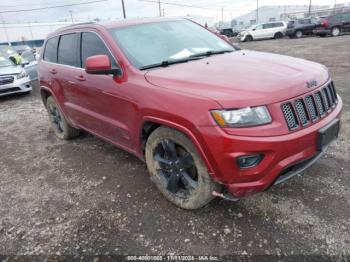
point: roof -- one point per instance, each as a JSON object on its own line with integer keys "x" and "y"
{"x": 115, "y": 24}
{"x": 137, "y": 21}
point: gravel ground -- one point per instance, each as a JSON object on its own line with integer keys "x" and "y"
{"x": 86, "y": 197}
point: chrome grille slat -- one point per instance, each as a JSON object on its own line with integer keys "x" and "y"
{"x": 319, "y": 104}
{"x": 311, "y": 106}
{"x": 331, "y": 95}
{"x": 326, "y": 98}
{"x": 290, "y": 116}
{"x": 301, "y": 111}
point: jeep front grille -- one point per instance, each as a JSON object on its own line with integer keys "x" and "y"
{"x": 304, "y": 110}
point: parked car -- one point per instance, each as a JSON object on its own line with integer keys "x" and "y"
{"x": 263, "y": 31}
{"x": 301, "y": 27}
{"x": 30, "y": 64}
{"x": 208, "y": 120}
{"x": 28, "y": 58}
{"x": 333, "y": 25}
{"x": 13, "y": 78}
{"x": 229, "y": 32}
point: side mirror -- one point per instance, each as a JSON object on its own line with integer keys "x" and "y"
{"x": 253, "y": 29}
{"x": 23, "y": 64}
{"x": 100, "y": 65}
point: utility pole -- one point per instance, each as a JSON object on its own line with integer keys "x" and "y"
{"x": 160, "y": 8}
{"x": 310, "y": 8}
{"x": 257, "y": 11}
{"x": 222, "y": 16}
{"x": 71, "y": 16}
{"x": 123, "y": 6}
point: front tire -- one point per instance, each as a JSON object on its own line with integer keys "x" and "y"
{"x": 177, "y": 169}
{"x": 63, "y": 130}
{"x": 248, "y": 38}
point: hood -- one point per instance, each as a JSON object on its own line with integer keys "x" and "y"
{"x": 10, "y": 70}
{"x": 241, "y": 78}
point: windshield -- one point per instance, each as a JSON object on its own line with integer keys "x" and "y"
{"x": 154, "y": 43}
{"x": 7, "y": 51}
{"x": 4, "y": 62}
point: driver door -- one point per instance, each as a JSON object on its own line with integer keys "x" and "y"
{"x": 258, "y": 32}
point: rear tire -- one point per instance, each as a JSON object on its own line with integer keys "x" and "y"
{"x": 63, "y": 130}
{"x": 278, "y": 35}
{"x": 162, "y": 165}
{"x": 335, "y": 31}
{"x": 298, "y": 34}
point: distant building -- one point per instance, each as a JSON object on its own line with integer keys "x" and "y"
{"x": 271, "y": 14}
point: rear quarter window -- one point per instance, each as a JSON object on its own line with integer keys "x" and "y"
{"x": 50, "y": 53}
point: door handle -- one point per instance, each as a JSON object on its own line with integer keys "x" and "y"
{"x": 80, "y": 78}
{"x": 53, "y": 71}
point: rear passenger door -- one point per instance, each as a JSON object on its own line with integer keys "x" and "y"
{"x": 67, "y": 68}
{"x": 346, "y": 21}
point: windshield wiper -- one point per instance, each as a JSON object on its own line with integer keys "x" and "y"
{"x": 166, "y": 63}
{"x": 211, "y": 52}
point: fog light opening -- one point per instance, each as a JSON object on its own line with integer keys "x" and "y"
{"x": 249, "y": 160}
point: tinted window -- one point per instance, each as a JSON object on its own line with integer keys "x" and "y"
{"x": 91, "y": 44}
{"x": 267, "y": 26}
{"x": 278, "y": 25}
{"x": 346, "y": 17}
{"x": 68, "y": 52}
{"x": 50, "y": 53}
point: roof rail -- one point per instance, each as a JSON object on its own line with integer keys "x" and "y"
{"x": 84, "y": 23}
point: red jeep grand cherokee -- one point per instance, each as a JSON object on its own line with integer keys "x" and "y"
{"x": 209, "y": 119}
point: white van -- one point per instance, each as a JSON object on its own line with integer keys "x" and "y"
{"x": 263, "y": 31}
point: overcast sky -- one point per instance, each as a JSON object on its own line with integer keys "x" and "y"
{"x": 111, "y": 9}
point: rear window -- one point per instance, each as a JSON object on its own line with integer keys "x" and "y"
{"x": 50, "y": 53}
{"x": 278, "y": 25}
{"x": 267, "y": 26}
{"x": 68, "y": 52}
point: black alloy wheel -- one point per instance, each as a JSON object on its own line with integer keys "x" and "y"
{"x": 177, "y": 169}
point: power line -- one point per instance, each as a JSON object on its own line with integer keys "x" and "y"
{"x": 49, "y": 7}
{"x": 191, "y": 6}
{"x": 41, "y": 4}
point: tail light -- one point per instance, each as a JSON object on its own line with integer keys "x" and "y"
{"x": 325, "y": 23}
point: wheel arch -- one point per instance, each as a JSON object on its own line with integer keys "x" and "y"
{"x": 46, "y": 92}
{"x": 152, "y": 123}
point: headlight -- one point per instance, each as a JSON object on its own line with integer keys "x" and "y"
{"x": 243, "y": 117}
{"x": 22, "y": 74}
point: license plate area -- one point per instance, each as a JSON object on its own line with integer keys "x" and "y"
{"x": 327, "y": 134}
